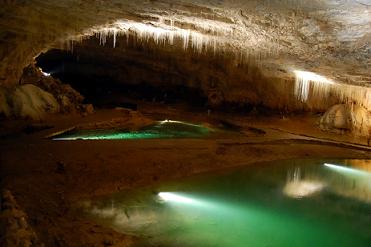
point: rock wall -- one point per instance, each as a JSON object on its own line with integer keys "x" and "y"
{"x": 330, "y": 38}
{"x": 222, "y": 79}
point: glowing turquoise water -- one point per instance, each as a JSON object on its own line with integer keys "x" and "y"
{"x": 290, "y": 203}
{"x": 163, "y": 129}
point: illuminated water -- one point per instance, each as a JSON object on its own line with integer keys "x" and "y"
{"x": 287, "y": 203}
{"x": 163, "y": 129}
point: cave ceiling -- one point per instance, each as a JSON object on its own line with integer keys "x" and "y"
{"x": 329, "y": 37}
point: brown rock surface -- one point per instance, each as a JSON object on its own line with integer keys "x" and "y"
{"x": 61, "y": 174}
{"x": 328, "y": 37}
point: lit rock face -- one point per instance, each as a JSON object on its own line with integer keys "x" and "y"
{"x": 39, "y": 95}
{"x": 28, "y": 101}
{"x": 331, "y": 38}
{"x": 340, "y": 118}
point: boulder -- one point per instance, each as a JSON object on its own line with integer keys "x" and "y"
{"x": 38, "y": 95}
{"x": 69, "y": 99}
{"x": 29, "y": 101}
{"x": 343, "y": 117}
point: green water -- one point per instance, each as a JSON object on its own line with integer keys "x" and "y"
{"x": 287, "y": 203}
{"x": 160, "y": 130}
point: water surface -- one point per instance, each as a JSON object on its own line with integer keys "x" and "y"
{"x": 160, "y": 130}
{"x": 283, "y": 203}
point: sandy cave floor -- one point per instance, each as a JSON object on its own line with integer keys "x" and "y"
{"x": 29, "y": 164}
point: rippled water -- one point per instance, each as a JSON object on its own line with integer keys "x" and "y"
{"x": 282, "y": 203}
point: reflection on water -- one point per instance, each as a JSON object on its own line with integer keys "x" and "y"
{"x": 286, "y": 203}
{"x": 298, "y": 187}
{"x": 162, "y": 129}
{"x": 349, "y": 182}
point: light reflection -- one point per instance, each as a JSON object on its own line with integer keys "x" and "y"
{"x": 162, "y": 129}
{"x": 302, "y": 83}
{"x": 349, "y": 182}
{"x": 310, "y": 76}
{"x": 248, "y": 209}
{"x": 347, "y": 170}
{"x": 173, "y": 197}
{"x": 180, "y": 122}
{"x": 299, "y": 189}
{"x": 44, "y": 73}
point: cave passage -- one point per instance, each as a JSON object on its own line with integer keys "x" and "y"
{"x": 190, "y": 123}
{"x": 118, "y": 77}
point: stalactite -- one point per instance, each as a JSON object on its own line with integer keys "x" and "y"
{"x": 206, "y": 38}
{"x": 313, "y": 89}
{"x": 302, "y": 88}
{"x": 309, "y": 89}
{"x": 114, "y": 38}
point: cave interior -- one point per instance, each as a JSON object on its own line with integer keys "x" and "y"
{"x": 105, "y": 103}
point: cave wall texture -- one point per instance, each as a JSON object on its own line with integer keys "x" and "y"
{"x": 275, "y": 37}
{"x": 165, "y": 73}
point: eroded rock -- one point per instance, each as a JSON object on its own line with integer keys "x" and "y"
{"x": 347, "y": 118}
{"x": 39, "y": 95}
{"x": 29, "y": 101}
{"x": 68, "y": 99}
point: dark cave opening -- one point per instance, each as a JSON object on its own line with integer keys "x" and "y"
{"x": 142, "y": 71}
{"x": 118, "y": 77}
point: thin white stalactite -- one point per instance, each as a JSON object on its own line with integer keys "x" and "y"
{"x": 310, "y": 87}
{"x": 302, "y": 88}
{"x": 160, "y": 33}
{"x": 114, "y": 38}
{"x": 210, "y": 35}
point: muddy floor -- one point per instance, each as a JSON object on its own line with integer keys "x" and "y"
{"x": 47, "y": 177}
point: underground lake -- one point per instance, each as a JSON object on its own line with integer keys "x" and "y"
{"x": 302, "y": 202}
{"x": 159, "y": 130}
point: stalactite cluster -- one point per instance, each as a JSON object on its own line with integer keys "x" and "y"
{"x": 310, "y": 87}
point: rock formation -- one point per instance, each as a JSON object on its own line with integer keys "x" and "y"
{"x": 350, "y": 118}
{"x": 287, "y": 55}
{"x": 329, "y": 38}
{"x": 37, "y": 95}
